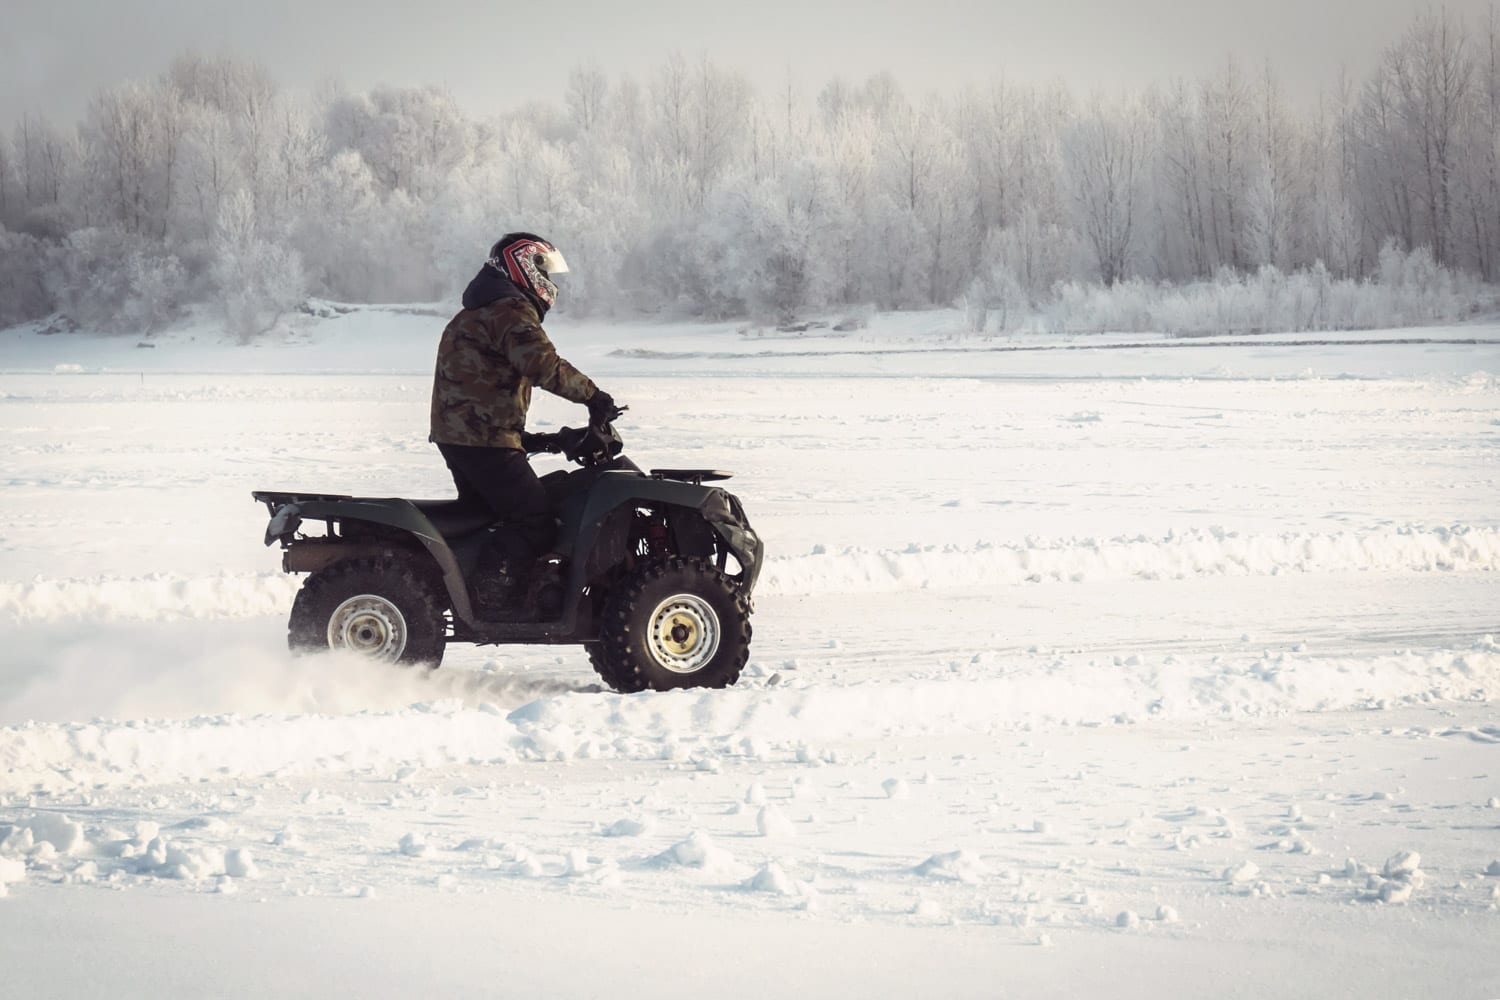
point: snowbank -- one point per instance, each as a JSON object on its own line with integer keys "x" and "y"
{"x": 1190, "y": 554}
{"x": 1194, "y": 553}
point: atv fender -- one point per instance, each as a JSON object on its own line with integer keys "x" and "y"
{"x": 614, "y": 490}
{"x": 395, "y": 513}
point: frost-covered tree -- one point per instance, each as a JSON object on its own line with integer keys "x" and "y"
{"x": 1105, "y": 151}
{"x": 1430, "y": 73}
{"x": 7, "y": 183}
{"x": 1226, "y": 120}
{"x": 1273, "y": 194}
{"x": 692, "y": 191}
{"x": 23, "y": 291}
{"x": 257, "y": 277}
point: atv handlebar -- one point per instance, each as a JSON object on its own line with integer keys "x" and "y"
{"x": 586, "y": 446}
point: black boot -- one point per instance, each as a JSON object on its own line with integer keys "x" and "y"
{"x": 544, "y": 594}
{"x": 499, "y": 591}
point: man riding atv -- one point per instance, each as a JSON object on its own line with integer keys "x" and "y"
{"x": 491, "y": 354}
{"x": 650, "y": 572}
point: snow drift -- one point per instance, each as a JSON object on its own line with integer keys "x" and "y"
{"x": 1194, "y": 553}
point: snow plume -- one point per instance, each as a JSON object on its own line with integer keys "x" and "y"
{"x": 141, "y": 671}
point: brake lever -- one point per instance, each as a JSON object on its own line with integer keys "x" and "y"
{"x": 603, "y": 426}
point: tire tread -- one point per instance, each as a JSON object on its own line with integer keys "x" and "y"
{"x": 321, "y": 592}
{"x": 611, "y": 655}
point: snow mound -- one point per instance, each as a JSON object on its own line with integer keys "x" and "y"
{"x": 954, "y": 866}
{"x": 239, "y": 863}
{"x": 62, "y": 833}
{"x": 627, "y": 827}
{"x": 771, "y": 879}
{"x": 896, "y": 788}
{"x": 1402, "y": 864}
{"x": 697, "y": 851}
{"x": 772, "y": 822}
{"x": 54, "y": 843}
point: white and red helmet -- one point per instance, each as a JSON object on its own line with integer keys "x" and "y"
{"x": 529, "y": 261}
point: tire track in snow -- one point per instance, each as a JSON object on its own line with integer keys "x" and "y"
{"x": 471, "y": 723}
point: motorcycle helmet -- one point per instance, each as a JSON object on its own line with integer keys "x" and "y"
{"x": 529, "y": 261}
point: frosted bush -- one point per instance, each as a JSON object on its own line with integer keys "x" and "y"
{"x": 1411, "y": 290}
{"x": 110, "y": 280}
{"x": 23, "y": 294}
{"x": 258, "y": 279}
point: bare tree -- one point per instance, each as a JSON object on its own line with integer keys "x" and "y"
{"x": 1270, "y": 214}
{"x": 1105, "y": 153}
{"x": 586, "y": 97}
{"x": 1431, "y": 72}
{"x": 125, "y": 131}
{"x": 6, "y": 170}
{"x": 1483, "y": 153}
{"x": 720, "y": 101}
{"x": 1183, "y": 177}
{"x": 41, "y": 161}
{"x": 1226, "y": 111}
{"x": 1385, "y": 163}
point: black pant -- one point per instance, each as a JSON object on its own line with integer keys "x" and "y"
{"x": 502, "y": 480}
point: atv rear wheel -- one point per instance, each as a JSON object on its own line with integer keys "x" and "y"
{"x": 379, "y": 608}
{"x": 675, "y": 624}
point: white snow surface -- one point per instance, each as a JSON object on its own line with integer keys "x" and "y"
{"x": 1112, "y": 644}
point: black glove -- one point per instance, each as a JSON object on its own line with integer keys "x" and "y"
{"x": 535, "y": 444}
{"x": 602, "y": 408}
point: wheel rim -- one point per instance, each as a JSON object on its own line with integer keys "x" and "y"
{"x": 369, "y": 625}
{"x": 684, "y": 633}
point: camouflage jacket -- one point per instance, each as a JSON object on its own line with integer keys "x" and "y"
{"x": 487, "y": 362}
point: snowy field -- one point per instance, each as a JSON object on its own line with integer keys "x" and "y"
{"x": 1135, "y": 668}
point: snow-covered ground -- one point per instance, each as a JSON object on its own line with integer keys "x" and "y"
{"x": 1139, "y": 667}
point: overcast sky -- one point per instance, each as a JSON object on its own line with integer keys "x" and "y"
{"x": 55, "y": 53}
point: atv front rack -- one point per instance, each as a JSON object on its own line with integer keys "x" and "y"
{"x": 695, "y": 476}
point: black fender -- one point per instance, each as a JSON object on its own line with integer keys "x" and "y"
{"x": 614, "y": 490}
{"x": 393, "y": 513}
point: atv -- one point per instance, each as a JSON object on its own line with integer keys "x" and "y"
{"x": 652, "y": 573}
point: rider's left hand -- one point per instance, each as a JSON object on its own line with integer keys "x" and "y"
{"x": 539, "y": 444}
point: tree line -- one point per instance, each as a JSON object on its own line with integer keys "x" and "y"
{"x": 700, "y": 192}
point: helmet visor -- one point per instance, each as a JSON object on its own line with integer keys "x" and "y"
{"x": 551, "y": 262}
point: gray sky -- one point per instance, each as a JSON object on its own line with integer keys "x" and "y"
{"x": 55, "y": 53}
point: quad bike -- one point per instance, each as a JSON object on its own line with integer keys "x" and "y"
{"x": 652, "y": 572}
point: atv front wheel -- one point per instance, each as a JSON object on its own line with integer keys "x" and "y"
{"x": 378, "y": 608}
{"x": 675, "y": 624}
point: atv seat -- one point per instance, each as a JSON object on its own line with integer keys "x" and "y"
{"x": 453, "y": 518}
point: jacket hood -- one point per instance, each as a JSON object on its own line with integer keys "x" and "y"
{"x": 489, "y": 285}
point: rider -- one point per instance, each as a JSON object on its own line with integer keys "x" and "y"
{"x": 490, "y": 356}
